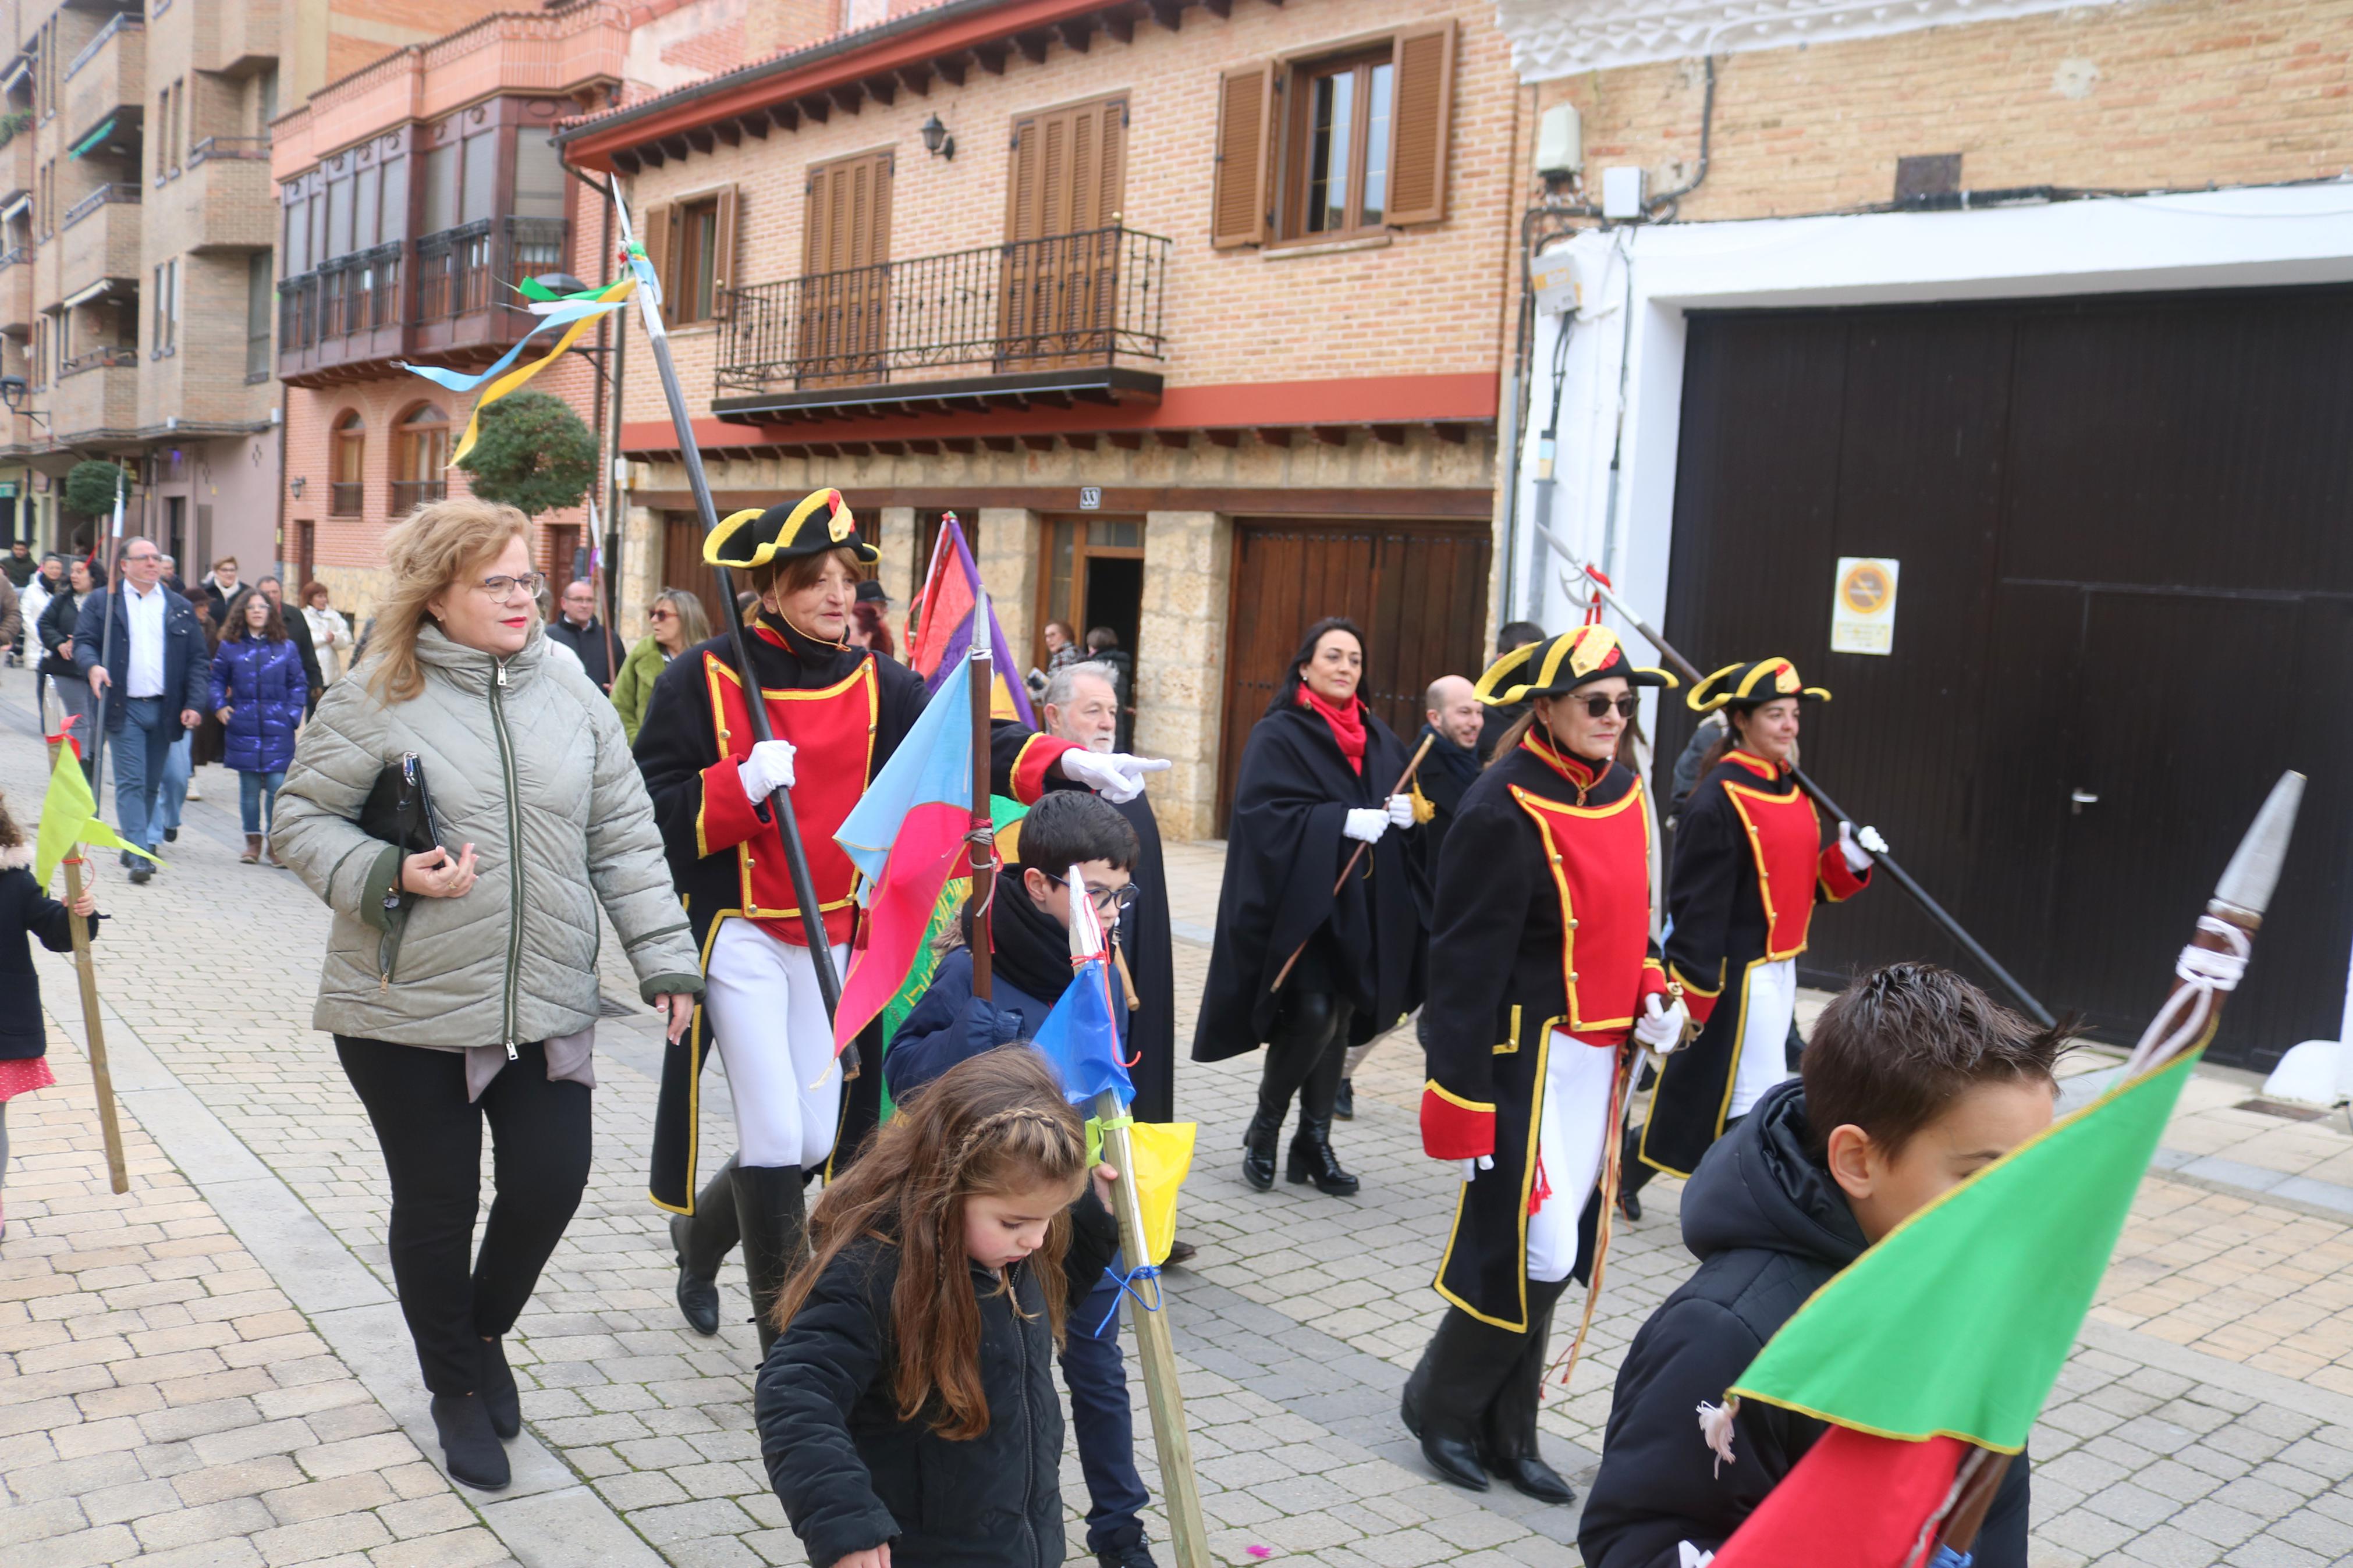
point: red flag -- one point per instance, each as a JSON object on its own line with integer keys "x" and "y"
{"x": 1854, "y": 1501}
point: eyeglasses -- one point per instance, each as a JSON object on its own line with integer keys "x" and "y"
{"x": 1110, "y": 901}
{"x": 1599, "y": 707}
{"x": 662, "y": 613}
{"x": 503, "y": 586}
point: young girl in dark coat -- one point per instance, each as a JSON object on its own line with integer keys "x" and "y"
{"x": 907, "y": 1413}
{"x": 25, "y": 911}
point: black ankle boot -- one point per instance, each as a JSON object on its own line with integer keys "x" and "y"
{"x": 1257, "y": 1150}
{"x": 495, "y": 1387}
{"x": 1344, "y": 1104}
{"x": 701, "y": 1241}
{"x": 1632, "y": 1174}
{"x": 1509, "y": 1446}
{"x": 1312, "y": 1159}
{"x": 468, "y": 1447}
{"x": 769, "y": 1208}
{"x": 1465, "y": 1362}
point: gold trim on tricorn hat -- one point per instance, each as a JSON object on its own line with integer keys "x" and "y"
{"x": 1748, "y": 685}
{"x": 818, "y": 522}
{"x": 1580, "y": 655}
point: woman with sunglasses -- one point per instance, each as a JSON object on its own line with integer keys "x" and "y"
{"x": 677, "y": 623}
{"x": 1751, "y": 860}
{"x": 1542, "y": 968}
{"x": 1314, "y": 778}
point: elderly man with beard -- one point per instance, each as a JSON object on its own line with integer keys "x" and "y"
{"x": 1081, "y": 705}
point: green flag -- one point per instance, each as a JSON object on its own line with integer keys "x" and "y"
{"x": 70, "y": 816}
{"x": 1957, "y": 1321}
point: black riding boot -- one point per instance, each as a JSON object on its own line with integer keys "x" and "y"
{"x": 1508, "y": 1443}
{"x": 1632, "y": 1174}
{"x": 1446, "y": 1398}
{"x": 768, "y": 1207}
{"x": 702, "y": 1241}
{"x": 1302, "y": 1032}
{"x": 1312, "y": 1159}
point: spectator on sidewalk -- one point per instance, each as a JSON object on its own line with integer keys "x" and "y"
{"x": 677, "y": 623}
{"x": 39, "y": 589}
{"x": 198, "y": 746}
{"x": 171, "y": 578}
{"x": 12, "y": 617}
{"x": 55, "y": 634}
{"x": 494, "y": 1011}
{"x": 150, "y": 692}
{"x": 1103, "y": 647}
{"x": 330, "y": 636}
{"x": 298, "y": 632}
{"x": 220, "y": 586}
{"x": 19, "y": 565}
{"x": 257, "y": 694}
{"x": 578, "y": 629}
{"x": 25, "y": 911}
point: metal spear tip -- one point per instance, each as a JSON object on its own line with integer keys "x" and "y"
{"x": 2254, "y": 868}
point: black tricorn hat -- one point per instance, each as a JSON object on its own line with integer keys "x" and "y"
{"x": 1751, "y": 685}
{"x": 1579, "y": 655}
{"x": 818, "y": 522}
{"x": 869, "y": 591}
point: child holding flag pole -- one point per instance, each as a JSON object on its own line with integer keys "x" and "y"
{"x": 25, "y": 911}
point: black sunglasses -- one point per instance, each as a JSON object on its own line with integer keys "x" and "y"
{"x": 1599, "y": 707}
{"x": 1106, "y": 901}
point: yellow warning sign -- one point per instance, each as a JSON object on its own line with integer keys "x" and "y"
{"x": 1863, "y": 609}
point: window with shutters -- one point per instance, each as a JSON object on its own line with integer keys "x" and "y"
{"x": 1336, "y": 144}
{"x": 842, "y": 304}
{"x": 1066, "y": 193}
{"x": 691, "y": 244}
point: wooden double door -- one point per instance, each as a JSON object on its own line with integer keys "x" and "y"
{"x": 1418, "y": 589}
{"x": 2125, "y": 605}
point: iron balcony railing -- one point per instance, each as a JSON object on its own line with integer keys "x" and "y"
{"x": 102, "y": 196}
{"x": 459, "y": 270}
{"x": 17, "y": 257}
{"x": 110, "y": 357}
{"x": 212, "y": 147}
{"x": 1034, "y": 304}
{"x": 409, "y": 494}
{"x": 344, "y": 498}
{"x": 122, "y": 22}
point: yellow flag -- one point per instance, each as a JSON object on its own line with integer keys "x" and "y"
{"x": 70, "y": 816}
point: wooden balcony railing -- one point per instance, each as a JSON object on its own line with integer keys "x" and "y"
{"x": 460, "y": 270}
{"x": 1093, "y": 297}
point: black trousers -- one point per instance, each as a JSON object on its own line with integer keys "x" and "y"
{"x": 1305, "y": 1057}
{"x": 432, "y": 1143}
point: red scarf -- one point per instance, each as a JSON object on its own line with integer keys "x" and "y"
{"x": 1347, "y": 725}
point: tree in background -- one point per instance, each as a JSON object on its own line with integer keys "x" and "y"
{"x": 534, "y": 454}
{"x": 90, "y": 489}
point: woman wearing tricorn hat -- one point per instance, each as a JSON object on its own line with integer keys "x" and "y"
{"x": 837, "y": 713}
{"x": 1751, "y": 860}
{"x": 1542, "y": 968}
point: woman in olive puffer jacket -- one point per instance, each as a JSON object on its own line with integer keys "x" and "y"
{"x": 461, "y": 984}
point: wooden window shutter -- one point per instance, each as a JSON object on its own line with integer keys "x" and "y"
{"x": 1237, "y": 199}
{"x": 1418, "y": 126}
{"x": 656, "y": 232}
{"x": 723, "y": 255}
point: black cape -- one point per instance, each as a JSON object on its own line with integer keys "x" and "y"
{"x": 677, "y": 740}
{"x": 1283, "y": 852}
{"x": 1769, "y": 1229}
{"x": 1443, "y": 783}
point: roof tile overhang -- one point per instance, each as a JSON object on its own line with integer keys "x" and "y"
{"x": 907, "y": 52}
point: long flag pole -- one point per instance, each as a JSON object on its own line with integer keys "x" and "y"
{"x": 982, "y": 858}
{"x": 1904, "y": 879}
{"x": 780, "y": 803}
{"x": 101, "y": 1077}
{"x": 1349, "y": 870}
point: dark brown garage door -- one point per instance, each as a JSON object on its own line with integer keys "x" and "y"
{"x": 682, "y": 566}
{"x": 2127, "y": 574}
{"x": 1418, "y": 589}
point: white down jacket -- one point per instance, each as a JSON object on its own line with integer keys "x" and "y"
{"x": 524, "y": 760}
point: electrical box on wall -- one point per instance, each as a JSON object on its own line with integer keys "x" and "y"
{"x": 1560, "y": 142}
{"x": 1621, "y": 193}
{"x": 1558, "y": 285}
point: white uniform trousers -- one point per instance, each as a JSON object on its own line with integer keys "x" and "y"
{"x": 776, "y": 1044}
{"x": 1765, "y": 1033}
{"x": 1572, "y": 1136}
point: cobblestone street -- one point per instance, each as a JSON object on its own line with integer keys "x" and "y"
{"x": 212, "y": 1369}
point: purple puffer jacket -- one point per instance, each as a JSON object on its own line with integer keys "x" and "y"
{"x": 261, "y": 683}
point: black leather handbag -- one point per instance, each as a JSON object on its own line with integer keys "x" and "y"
{"x": 399, "y": 808}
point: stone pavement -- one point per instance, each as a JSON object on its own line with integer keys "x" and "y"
{"x": 210, "y": 1369}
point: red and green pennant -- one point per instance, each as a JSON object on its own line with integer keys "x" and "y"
{"x": 1950, "y": 1331}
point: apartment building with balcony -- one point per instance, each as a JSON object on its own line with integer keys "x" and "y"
{"x": 137, "y": 222}
{"x": 1193, "y": 310}
{"x": 413, "y": 195}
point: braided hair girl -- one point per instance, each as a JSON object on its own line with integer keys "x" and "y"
{"x": 907, "y": 1407}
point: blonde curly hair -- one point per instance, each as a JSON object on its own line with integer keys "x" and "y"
{"x": 428, "y": 551}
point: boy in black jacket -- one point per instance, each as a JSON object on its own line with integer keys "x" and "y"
{"x": 1913, "y": 1078}
{"x": 1030, "y": 969}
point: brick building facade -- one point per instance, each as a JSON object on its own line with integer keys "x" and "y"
{"x": 1113, "y": 330}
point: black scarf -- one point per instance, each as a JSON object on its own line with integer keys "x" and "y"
{"x": 1451, "y": 770}
{"x": 1031, "y": 948}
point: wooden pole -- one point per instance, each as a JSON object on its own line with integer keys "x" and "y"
{"x": 101, "y": 1077}
{"x": 1349, "y": 870}
{"x": 982, "y": 859}
{"x": 1180, "y": 1492}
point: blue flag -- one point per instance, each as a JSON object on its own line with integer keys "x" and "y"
{"x": 1081, "y": 1038}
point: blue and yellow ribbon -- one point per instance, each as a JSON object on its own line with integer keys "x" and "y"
{"x": 571, "y": 311}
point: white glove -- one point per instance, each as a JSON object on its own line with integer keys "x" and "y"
{"x": 1367, "y": 822}
{"x": 1114, "y": 775}
{"x": 769, "y": 769}
{"x": 1401, "y": 811}
{"x": 1660, "y": 1028}
{"x": 1859, "y": 847}
{"x": 1471, "y": 1168}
